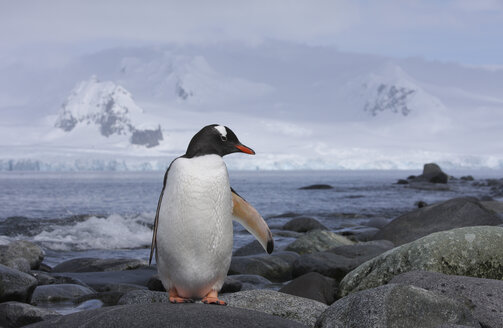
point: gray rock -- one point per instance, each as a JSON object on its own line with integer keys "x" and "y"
{"x": 252, "y": 281}
{"x": 316, "y": 187}
{"x": 98, "y": 265}
{"x": 143, "y": 297}
{"x": 15, "y": 314}
{"x": 58, "y": 293}
{"x": 470, "y": 251}
{"x": 317, "y": 241}
{"x": 454, "y": 213}
{"x": 275, "y": 267}
{"x": 251, "y": 248}
{"x": 231, "y": 285}
{"x": 168, "y": 315}
{"x": 106, "y": 298}
{"x": 19, "y": 253}
{"x": 493, "y": 205}
{"x": 395, "y": 306}
{"x": 377, "y": 222}
{"x": 363, "y": 252}
{"x": 313, "y": 286}
{"x": 303, "y": 224}
{"x": 286, "y": 306}
{"x": 326, "y": 263}
{"x": 433, "y": 173}
{"x": 15, "y": 285}
{"x": 484, "y": 297}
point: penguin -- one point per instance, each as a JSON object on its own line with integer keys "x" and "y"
{"x": 193, "y": 233}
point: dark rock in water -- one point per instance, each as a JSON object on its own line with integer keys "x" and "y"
{"x": 21, "y": 251}
{"x": 285, "y": 215}
{"x": 377, "y": 222}
{"x": 358, "y": 233}
{"x": 325, "y": 263}
{"x": 363, "y": 252}
{"x": 251, "y": 248}
{"x": 304, "y": 224}
{"x": 316, "y": 187}
{"x": 275, "y": 267}
{"x": 402, "y": 181}
{"x": 317, "y": 241}
{"x": 302, "y": 310}
{"x": 467, "y": 178}
{"x": 101, "y": 281}
{"x": 15, "y": 285}
{"x": 433, "y": 173}
{"x": 410, "y": 177}
{"x": 251, "y": 281}
{"x": 454, "y": 213}
{"x": 395, "y": 305}
{"x": 421, "y": 204}
{"x": 15, "y": 314}
{"x": 58, "y": 293}
{"x": 168, "y": 315}
{"x": 484, "y": 296}
{"x": 469, "y": 251}
{"x": 314, "y": 286}
{"x": 98, "y": 265}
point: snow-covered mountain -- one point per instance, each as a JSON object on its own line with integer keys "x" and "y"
{"x": 299, "y": 107}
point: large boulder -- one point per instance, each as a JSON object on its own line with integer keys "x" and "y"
{"x": 454, "y": 213}
{"x": 433, "y": 173}
{"x": 21, "y": 255}
{"x": 470, "y": 251}
{"x": 251, "y": 248}
{"x": 303, "y": 224}
{"x": 15, "y": 314}
{"x": 395, "y": 306}
{"x": 484, "y": 297}
{"x": 317, "y": 241}
{"x": 252, "y": 281}
{"x": 313, "y": 286}
{"x": 275, "y": 267}
{"x": 15, "y": 285}
{"x": 98, "y": 265}
{"x": 290, "y": 307}
{"x": 159, "y": 315}
{"x": 58, "y": 293}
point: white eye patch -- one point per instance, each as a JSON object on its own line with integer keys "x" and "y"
{"x": 221, "y": 130}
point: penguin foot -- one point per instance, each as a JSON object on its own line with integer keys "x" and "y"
{"x": 212, "y": 298}
{"x": 176, "y": 299}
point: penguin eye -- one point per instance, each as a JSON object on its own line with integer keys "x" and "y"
{"x": 224, "y": 138}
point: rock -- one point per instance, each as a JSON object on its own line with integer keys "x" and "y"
{"x": 44, "y": 267}
{"x": 484, "y": 297}
{"x": 106, "y": 298}
{"x": 467, "y": 178}
{"x": 251, "y": 248}
{"x": 304, "y": 224}
{"x": 402, "y": 181}
{"x": 15, "y": 285}
{"x": 363, "y": 252}
{"x": 317, "y": 241}
{"x": 15, "y": 314}
{"x": 421, "y": 204}
{"x": 21, "y": 249}
{"x": 377, "y": 222}
{"x": 314, "y": 286}
{"x": 359, "y": 233}
{"x": 58, "y": 293}
{"x": 493, "y": 206}
{"x": 98, "y": 265}
{"x": 286, "y": 306}
{"x": 251, "y": 281}
{"x": 143, "y": 297}
{"x": 425, "y": 185}
{"x": 231, "y": 285}
{"x": 433, "y": 173}
{"x": 316, "y": 187}
{"x": 454, "y": 213}
{"x": 43, "y": 278}
{"x": 470, "y": 251}
{"x": 155, "y": 284}
{"x": 275, "y": 267}
{"x": 325, "y": 263}
{"x": 395, "y": 306}
{"x": 168, "y": 315}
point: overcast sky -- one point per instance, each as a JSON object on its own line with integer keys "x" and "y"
{"x": 464, "y": 31}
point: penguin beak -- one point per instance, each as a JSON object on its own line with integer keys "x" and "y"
{"x": 244, "y": 149}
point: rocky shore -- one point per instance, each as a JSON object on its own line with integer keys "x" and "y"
{"x": 440, "y": 265}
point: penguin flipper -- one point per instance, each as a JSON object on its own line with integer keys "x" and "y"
{"x": 249, "y": 218}
{"x": 153, "y": 245}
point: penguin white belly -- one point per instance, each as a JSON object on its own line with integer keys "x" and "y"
{"x": 194, "y": 237}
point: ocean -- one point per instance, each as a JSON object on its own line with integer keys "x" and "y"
{"x": 111, "y": 214}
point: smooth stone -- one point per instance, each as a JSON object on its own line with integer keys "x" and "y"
{"x": 395, "y": 306}
{"x": 15, "y": 285}
{"x": 58, "y": 293}
{"x": 433, "y": 173}
{"x": 469, "y": 251}
{"x": 45, "y": 278}
{"x": 359, "y": 233}
{"x": 377, "y": 222}
{"x": 493, "y": 205}
{"x": 454, "y": 213}
{"x": 15, "y": 314}
{"x": 252, "y": 281}
{"x": 251, "y": 248}
{"x": 325, "y": 263}
{"x": 21, "y": 249}
{"x": 317, "y": 241}
{"x": 365, "y": 251}
{"x": 303, "y": 224}
{"x": 302, "y": 310}
{"x": 484, "y": 296}
{"x": 98, "y": 265}
{"x": 168, "y": 315}
{"x": 314, "y": 286}
{"x": 316, "y": 187}
{"x": 276, "y": 267}
{"x": 106, "y": 298}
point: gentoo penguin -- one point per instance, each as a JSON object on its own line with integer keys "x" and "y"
{"x": 193, "y": 223}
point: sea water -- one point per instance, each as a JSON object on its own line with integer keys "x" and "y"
{"x": 111, "y": 214}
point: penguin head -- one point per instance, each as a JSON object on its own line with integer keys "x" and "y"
{"x": 215, "y": 140}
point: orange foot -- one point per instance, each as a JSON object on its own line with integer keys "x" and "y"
{"x": 175, "y": 298}
{"x": 212, "y": 298}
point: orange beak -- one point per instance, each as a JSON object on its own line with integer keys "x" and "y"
{"x": 245, "y": 149}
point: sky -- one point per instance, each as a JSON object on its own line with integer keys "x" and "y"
{"x": 464, "y": 31}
